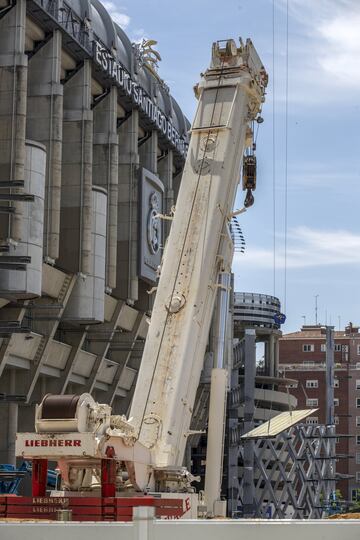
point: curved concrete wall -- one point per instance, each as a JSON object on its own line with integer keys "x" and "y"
{"x": 86, "y": 304}
{"x": 24, "y": 284}
{"x": 255, "y": 309}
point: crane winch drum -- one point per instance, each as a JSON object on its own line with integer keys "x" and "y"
{"x": 70, "y": 413}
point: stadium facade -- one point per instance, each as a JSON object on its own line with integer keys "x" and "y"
{"x": 92, "y": 147}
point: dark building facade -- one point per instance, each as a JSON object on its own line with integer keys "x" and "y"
{"x": 92, "y": 146}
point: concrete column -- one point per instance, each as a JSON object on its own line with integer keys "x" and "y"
{"x": 127, "y": 232}
{"x": 148, "y": 152}
{"x": 12, "y": 421}
{"x": 266, "y": 356}
{"x": 276, "y": 356}
{"x": 232, "y": 416}
{"x": 44, "y": 124}
{"x": 249, "y": 409}
{"x": 215, "y": 439}
{"x": 13, "y": 77}
{"x": 271, "y": 355}
{"x": 220, "y": 321}
{"x": 76, "y": 186}
{"x": 229, "y": 349}
{"x": 233, "y": 451}
{"x": 105, "y": 173}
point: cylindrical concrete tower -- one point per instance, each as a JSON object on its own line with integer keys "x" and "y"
{"x": 26, "y": 283}
{"x": 86, "y": 304}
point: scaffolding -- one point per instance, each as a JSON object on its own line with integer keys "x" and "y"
{"x": 293, "y": 473}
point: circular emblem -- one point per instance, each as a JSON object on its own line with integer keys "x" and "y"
{"x": 279, "y": 318}
{"x": 208, "y": 144}
{"x": 202, "y": 167}
{"x": 153, "y": 223}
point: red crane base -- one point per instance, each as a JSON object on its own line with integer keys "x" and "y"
{"x": 87, "y": 508}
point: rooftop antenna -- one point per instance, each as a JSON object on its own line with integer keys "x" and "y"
{"x": 316, "y": 309}
{"x": 304, "y": 317}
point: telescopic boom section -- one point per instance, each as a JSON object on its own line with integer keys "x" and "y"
{"x": 199, "y": 247}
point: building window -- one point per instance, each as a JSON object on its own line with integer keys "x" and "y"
{"x": 357, "y": 458}
{"x": 355, "y": 493}
{"x": 336, "y": 383}
{"x": 358, "y": 365}
{"x": 357, "y": 476}
{"x": 309, "y": 363}
{"x": 336, "y": 402}
{"x": 337, "y": 440}
{"x": 312, "y": 383}
{"x": 308, "y": 347}
{"x": 336, "y": 420}
{"x": 358, "y": 349}
{"x": 358, "y": 403}
{"x": 312, "y": 402}
{"x": 357, "y": 384}
{"x": 357, "y": 439}
{"x": 323, "y": 347}
{"x": 341, "y": 348}
{"x": 358, "y": 421}
{"x": 313, "y": 420}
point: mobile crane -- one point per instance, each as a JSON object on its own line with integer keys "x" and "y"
{"x": 145, "y": 453}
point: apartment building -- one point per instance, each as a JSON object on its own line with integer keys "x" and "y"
{"x": 302, "y": 356}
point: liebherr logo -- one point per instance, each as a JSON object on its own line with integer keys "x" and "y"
{"x": 52, "y": 442}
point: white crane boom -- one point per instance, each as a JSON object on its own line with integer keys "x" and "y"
{"x": 199, "y": 247}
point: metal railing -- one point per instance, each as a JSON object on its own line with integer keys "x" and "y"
{"x": 65, "y": 16}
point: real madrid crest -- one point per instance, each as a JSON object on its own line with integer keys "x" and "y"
{"x": 153, "y": 223}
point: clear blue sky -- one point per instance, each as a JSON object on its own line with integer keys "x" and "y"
{"x": 323, "y": 137}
